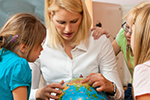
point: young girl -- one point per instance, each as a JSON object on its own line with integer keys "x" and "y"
{"x": 20, "y": 43}
{"x": 140, "y": 44}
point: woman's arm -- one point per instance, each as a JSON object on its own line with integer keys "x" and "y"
{"x": 108, "y": 65}
{"x": 36, "y": 74}
{"x": 20, "y": 93}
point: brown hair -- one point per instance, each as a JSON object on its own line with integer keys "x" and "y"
{"x": 25, "y": 28}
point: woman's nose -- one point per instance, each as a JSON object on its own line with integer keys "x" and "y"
{"x": 68, "y": 28}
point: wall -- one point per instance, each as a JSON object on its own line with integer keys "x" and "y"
{"x": 11, "y": 7}
{"x": 122, "y": 2}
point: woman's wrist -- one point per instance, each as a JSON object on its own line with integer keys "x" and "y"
{"x": 114, "y": 90}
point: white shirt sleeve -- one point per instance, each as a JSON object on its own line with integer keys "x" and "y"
{"x": 108, "y": 67}
{"x": 35, "y": 67}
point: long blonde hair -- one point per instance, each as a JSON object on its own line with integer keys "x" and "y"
{"x": 134, "y": 11}
{"x": 28, "y": 29}
{"x": 75, "y": 6}
{"x": 142, "y": 36}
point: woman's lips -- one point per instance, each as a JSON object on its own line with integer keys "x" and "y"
{"x": 68, "y": 34}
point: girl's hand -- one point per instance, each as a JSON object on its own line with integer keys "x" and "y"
{"x": 98, "y": 32}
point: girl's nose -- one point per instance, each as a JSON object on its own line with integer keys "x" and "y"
{"x": 128, "y": 34}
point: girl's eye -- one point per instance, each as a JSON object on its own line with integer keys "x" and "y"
{"x": 127, "y": 27}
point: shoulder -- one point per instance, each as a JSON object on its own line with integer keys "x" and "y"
{"x": 100, "y": 44}
{"x": 141, "y": 71}
{"x": 102, "y": 39}
{"x": 141, "y": 78}
{"x": 142, "y": 68}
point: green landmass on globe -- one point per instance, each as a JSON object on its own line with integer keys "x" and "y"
{"x": 75, "y": 90}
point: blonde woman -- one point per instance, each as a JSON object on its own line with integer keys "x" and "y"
{"x": 71, "y": 51}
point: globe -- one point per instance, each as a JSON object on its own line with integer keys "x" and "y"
{"x": 75, "y": 90}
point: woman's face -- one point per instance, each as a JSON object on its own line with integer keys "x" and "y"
{"x": 67, "y": 23}
{"x": 129, "y": 28}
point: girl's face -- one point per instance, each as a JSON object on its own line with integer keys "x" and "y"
{"x": 132, "y": 38}
{"x": 34, "y": 53}
{"x": 129, "y": 28}
{"x": 67, "y": 23}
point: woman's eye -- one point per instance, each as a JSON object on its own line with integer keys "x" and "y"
{"x": 74, "y": 21}
{"x": 61, "y": 22}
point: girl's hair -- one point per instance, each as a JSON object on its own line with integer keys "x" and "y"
{"x": 142, "y": 36}
{"x": 134, "y": 11}
{"x": 22, "y": 28}
{"x": 75, "y": 6}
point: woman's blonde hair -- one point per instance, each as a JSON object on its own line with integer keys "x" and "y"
{"x": 75, "y": 6}
{"x": 22, "y": 28}
{"x": 142, "y": 36}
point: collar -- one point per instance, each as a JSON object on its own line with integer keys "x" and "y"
{"x": 82, "y": 47}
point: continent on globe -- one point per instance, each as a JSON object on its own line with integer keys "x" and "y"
{"x": 75, "y": 90}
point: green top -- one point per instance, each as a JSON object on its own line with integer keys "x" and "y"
{"x": 122, "y": 42}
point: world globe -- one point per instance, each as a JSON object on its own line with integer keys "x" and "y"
{"x": 75, "y": 90}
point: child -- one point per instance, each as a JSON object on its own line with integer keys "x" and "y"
{"x": 20, "y": 43}
{"x": 140, "y": 44}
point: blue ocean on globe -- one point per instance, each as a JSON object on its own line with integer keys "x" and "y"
{"x": 75, "y": 90}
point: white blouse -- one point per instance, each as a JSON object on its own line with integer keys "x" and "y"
{"x": 141, "y": 79}
{"x": 97, "y": 57}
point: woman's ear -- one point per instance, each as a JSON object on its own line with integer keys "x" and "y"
{"x": 23, "y": 48}
{"x": 51, "y": 14}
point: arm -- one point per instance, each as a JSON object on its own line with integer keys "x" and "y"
{"x": 143, "y": 97}
{"x": 108, "y": 67}
{"x": 116, "y": 47}
{"x": 20, "y": 93}
{"x": 108, "y": 70}
{"x": 44, "y": 92}
{"x": 35, "y": 78}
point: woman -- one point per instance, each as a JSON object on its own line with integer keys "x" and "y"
{"x": 70, "y": 51}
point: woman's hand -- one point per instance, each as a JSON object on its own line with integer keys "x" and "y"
{"x": 98, "y": 81}
{"x": 45, "y": 93}
{"x": 98, "y": 32}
